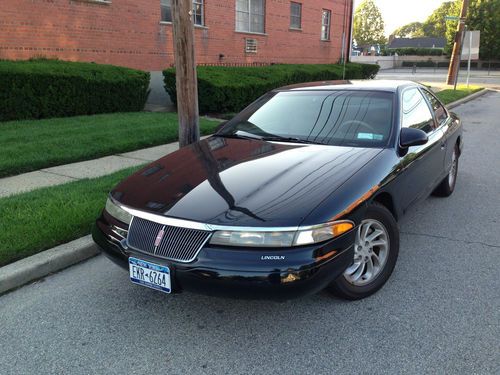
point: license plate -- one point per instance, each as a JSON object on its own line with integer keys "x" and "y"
{"x": 149, "y": 274}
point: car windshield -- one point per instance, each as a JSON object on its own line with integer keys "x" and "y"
{"x": 341, "y": 118}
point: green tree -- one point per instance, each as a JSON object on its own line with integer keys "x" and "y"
{"x": 436, "y": 24}
{"x": 411, "y": 30}
{"x": 484, "y": 15}
{"x": 451, "y": 26}
{"x": 368, "y": 24}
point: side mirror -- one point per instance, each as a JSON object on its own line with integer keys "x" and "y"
{"x": 220, "y": 126}
{"x": 412, "y": 137}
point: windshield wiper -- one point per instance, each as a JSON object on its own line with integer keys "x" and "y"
{"x": 241, "y": 134}
{"x": 291, "y": 140}
{"x": 273, "y": 138}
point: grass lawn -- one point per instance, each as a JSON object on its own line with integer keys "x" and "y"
{"x": 449, "y": 95}
{"x": 44, "y": 218}
{"x": 34, "y": 144}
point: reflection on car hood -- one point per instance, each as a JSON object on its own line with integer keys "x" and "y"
{"x": 242, "y": 182}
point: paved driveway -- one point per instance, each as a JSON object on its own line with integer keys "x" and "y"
{"x": 438, "y": 314}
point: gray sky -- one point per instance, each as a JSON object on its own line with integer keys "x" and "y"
{"x": 397, "y": 13}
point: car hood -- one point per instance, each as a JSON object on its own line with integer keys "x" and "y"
{"x": 242, "y": 182}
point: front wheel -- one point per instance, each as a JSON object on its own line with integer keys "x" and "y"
{"x": 376, "y": 250}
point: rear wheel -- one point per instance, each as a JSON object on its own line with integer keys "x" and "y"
{"x": 375, "y": 253}
{"x": 447, "y": 186}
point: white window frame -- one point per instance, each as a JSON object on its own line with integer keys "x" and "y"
{"x": 168, "y": 4}
{"x": 292, "y": 16}
{"x": 248, "y": 11}
{"x": 326, "y": 23}
{"x": 201, "y": 3}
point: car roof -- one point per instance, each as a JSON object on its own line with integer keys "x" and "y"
{"x": 372, "y": 85}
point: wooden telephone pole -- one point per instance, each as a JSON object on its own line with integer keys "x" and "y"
{"x": 185, "y": 72}
{"x": 457, "y": 46}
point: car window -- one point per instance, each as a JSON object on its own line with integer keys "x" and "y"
{"x": 341, "y": 117}
{"x": 416, "y": 113}
{"x": 439, "y": 110}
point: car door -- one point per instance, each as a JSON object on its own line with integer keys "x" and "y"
{"x": 421, "y": 165}
{"x": 444, "y": 123}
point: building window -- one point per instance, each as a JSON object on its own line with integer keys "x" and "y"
{"x": 198, "y": 16}
{"x": 198, "y": 11}
{"x": 166, "y": 11}
{"x": 325, "y": 24}
{"x": 295, "y": 15}
{"x": 250, "y": 16}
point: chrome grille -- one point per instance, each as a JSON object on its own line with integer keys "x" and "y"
{"x": 179, "y": 244}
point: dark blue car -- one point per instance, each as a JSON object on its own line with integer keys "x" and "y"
{"x": 299, "y": 192}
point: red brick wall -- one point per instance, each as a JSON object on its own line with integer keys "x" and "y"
{"x": 129, "y": 33}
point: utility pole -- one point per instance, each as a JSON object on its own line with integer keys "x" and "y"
{"x": 185, "y": 72}
{"x": 457, "y": 46}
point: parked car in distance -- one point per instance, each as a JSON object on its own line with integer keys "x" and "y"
{"x": 299, "y": 192}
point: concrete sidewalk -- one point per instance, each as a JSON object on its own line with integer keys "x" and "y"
{"x": 85, "y": 169}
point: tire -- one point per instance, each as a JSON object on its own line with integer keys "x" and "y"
{"x": 447, "y": 186}
{"x": 377, "y": 218}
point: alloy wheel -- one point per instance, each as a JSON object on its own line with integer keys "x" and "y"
{"x": 371, "y": 249}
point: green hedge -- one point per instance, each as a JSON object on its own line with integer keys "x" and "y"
{"x": 51, "y": 88}
{"x": 410, "y": 51}
{"x": 230, "y": 89}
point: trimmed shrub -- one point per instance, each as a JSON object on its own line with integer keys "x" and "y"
{"x": 411, "y": 51}
{"x": 51, "y": 88}
{"x": 230, "y": 89}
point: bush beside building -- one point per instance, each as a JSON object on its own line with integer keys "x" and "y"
{"x": 51, "y": 88}
{"x": 230, "y": 89}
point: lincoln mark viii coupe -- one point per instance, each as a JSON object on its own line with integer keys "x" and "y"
{"x": 299, "y": 192}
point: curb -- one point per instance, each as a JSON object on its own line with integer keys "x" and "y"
{"x": 467, "y": 98}
{"x": 49, "y": 261}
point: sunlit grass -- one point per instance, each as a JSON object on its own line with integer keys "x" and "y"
{"x": 44, "y": 218}
{"x": 450, "y": 95}
{"x": 35, "y": 144}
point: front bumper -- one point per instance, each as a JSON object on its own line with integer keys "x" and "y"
{"x": 243, "y": 272}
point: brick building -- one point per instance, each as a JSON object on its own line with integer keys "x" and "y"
{"x": 138, "y": 33}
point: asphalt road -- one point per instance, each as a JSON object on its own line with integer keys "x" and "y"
{"x": 439, "y": 313}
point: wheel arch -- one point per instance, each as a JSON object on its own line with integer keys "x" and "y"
{"x": 459, "y": 144}
{"x": 386, "y": 200}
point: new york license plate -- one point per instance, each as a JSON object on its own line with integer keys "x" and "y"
{"x": 149, "y": 274}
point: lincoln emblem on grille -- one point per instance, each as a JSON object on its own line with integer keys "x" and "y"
{"x": 159, "y": 237}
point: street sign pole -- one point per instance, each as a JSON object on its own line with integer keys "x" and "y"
{"x": 457, "y": 71}
{"x": 470, "y": 56}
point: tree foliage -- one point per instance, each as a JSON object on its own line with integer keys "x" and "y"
{"x": 411, "y": 30}
{"x": 435, "y": 25}
{"x": 368, "y": 24}
{"x": 483, "y": 15}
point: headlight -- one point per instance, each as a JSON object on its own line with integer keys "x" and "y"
{"x": 117, "y": 212}
{"x": 308, "y": 236}
{"x": 253, "y": 239}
